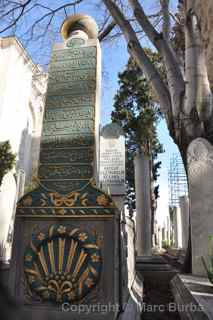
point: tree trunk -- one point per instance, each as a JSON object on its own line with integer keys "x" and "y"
{"x": 186, "y": 99}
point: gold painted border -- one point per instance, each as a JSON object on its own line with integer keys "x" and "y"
{"x": 66, "y": 163}
{"x": 75, "y": 179}
{"x": 64, "y": 216}
{"x": 71, "y": 208}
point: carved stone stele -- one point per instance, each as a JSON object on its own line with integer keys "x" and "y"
{"x": 200, "y": 175}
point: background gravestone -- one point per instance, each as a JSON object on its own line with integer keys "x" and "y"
{"x": 184, "y": 210}
{"x": 200, "y": 173}
{"x": 178, "y": 228}
{"x": 143, "y": 203}
{"x": 65, "y": 247}
{"x": 112, "y": 159}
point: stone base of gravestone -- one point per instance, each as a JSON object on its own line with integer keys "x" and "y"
{"x": 200, "y": 177}
{"x": 100, "y": 303}
{"x": 66, "y": 255}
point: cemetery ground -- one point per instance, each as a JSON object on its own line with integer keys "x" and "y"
{"x": 158, "y": 300}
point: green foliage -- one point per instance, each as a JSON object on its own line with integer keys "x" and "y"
{"x": 136, "y": 111}
{"x": 208, "y": 268}
{"x": 7, "y": 159}
{"x": 208, "y": 265}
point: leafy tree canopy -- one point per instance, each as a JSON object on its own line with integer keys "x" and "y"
{"x": 7, "y": 159}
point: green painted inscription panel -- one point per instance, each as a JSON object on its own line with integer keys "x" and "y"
{"x": 68, "y": 75}
{"x": 76, "y": 64}
{"x": 71, "y": 101}
{"x": 65, "y": 172}
{"x": 69, "y": 114}
{"x": 68, "y": 127}
{"x": 64, "y": 141}
{"x": 65, "y": 155}
{"x": 76, "y": 87}
{"x": 70, "y": 54}
{"x": 69, "y": 121}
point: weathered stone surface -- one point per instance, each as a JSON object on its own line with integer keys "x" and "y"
{"x": 200, "y": 174}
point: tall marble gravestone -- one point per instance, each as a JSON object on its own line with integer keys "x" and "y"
{"x": 200, "y": 177}
{"x": 65, "y": 248}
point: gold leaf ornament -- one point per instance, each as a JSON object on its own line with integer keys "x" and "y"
{"x": 62, "y": 230}
{"x": 68, "y": 200}
{"x": 102, "y": 200}
{"x": 27, "y": 201}
{"x": 65, "y": 265}
{"x": 82, "y": 236}
{"x": 95, "y": 257}
{"x": 41, "y": 236}
{"x": 28, "y": 258}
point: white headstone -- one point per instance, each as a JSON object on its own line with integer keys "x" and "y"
{"x": 112, "y": 159}
{"x": 200, "y": 175}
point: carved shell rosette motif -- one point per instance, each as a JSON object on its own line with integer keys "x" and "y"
{"x": 62, "y": 264}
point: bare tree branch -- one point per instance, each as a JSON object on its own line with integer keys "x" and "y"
{"x": 13, "y": 23}
{"x": 174, "y": 75}
{"x": 143, "y": 61}
{"x": 22, "y": 12}
{"x": 107, "y": 30}
{"x": 166, "y": 18}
